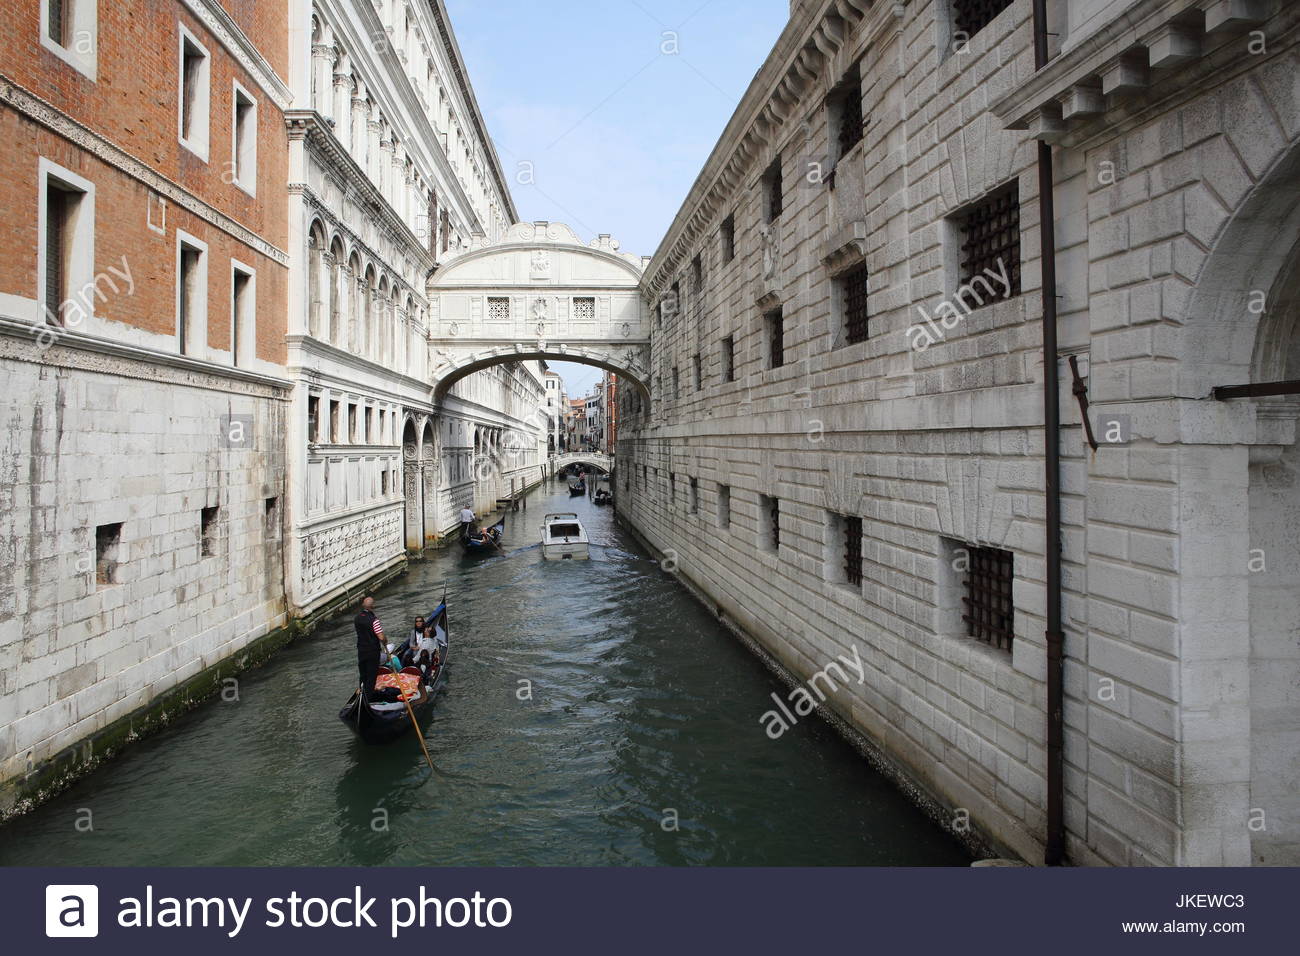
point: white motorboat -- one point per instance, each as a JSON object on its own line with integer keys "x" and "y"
{"x": 564, "y": 538}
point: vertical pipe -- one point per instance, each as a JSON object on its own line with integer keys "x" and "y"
{"x": 1054, "y": 853}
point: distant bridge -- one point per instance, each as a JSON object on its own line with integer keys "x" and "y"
{"x": 593, "y": 459}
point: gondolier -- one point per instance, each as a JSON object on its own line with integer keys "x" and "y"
{"x": 371, "y": 646}
{"x": 466, "y": 521}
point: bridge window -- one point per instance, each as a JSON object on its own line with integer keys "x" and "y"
{"x": 498, "y": 308}
{"x": 584, "y": 309}
{"x": 774, "y": 326}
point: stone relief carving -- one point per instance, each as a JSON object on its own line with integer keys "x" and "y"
{"x": 770, "y": 235}
{"x": 540, "y": 267}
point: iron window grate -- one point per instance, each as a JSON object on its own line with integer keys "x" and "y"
{"x": 498, "y": 309}
{"x": 775, "y": 191}
{"x": 850, "y": 112}
{"x": 774, "y": 517}
{"x": 991, "y": 238}
{"x": 853, "y": 551}
{"x": 972, "y": 16}
{"x": 855, "y": 285}
{"x": 990, "y": 613}
{"x": 584, "y": 309}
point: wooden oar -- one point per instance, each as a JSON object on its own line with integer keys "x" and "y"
{"x": 411, "y": 713}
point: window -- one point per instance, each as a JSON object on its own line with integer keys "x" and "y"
{"x": 677, "y": 392}
{"x": 729, "y": 238}
{"x": 844, "y": 113}
{"x": 773, "y": 192}
{"x": 672, "y": 489}
{"x": 844, "y": 550}
{"x": 774, "y": 326}
{"x": 353, "y": 437}
{"x": 69, "y": 30}
{"x": 695, "y": 496}
{"x": 383, "y": 427}
{"x": 334, "y": 422}
{"x": 498, "y": 308}
{"x": 769, "y": 519}
{"x": 990, "y": 242}
{"x": 208, "y": 531}
{"x": 243, "y": 315}
{"x": 697, "y": 281}
{"x": 244, "y": 160}
{"x": 972, "y": 16}
{"x": 191, "y": 296}
{"x": 987, "y": 607}
{"x": 313, "y": 417}
{"x": 724, "y": 506}
{"x": 67, "y": 290}
{"x": 852, "y": 288}
{"x": 699, "y": 372}
{"x": 108, "y": 541}
{"x": 369, "y": 425}
{"x": 584, "y": 309}
{"x": 383, "y": 483}
{"x": 729, "y": 359}
{"x": 195, "y": 94}
{"x": 271, "y": 515}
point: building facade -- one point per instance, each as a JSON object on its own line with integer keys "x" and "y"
{"x": 847, "y": 419}
{"x": 143, "y": 301}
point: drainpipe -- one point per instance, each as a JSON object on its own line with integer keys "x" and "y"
{"x": 1054, "y": 854}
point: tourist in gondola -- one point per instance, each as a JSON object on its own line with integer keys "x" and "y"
{"x": 372, "y": 648}
{"x": 426, "y": 654}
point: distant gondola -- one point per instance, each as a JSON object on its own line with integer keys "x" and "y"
{"x": 382, "y": 722}
{"x": 489, "y": 543}
{"x": 602, "y": 497}
{"x": 577, "y": 488}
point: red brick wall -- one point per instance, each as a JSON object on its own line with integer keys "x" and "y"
{"x": 134, "y": 104}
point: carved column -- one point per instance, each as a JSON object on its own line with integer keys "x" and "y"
{"x": 342, "y": 105}
{"x": 411, "y": 491}
{"x": 430, "y": 475}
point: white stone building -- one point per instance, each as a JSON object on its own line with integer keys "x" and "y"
{"x": 847, "y": 428}
{"x": 391, "y": 173}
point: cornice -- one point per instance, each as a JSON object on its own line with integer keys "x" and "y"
{"x": 77, "y": 350}
{"x": 310, "y": 126}
{"x": 220, "y": 24}
{"x": 39, "y": 111}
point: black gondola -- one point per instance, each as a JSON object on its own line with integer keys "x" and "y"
{"x": 383, "y": 722}
{"x": 602, "y": 497}
{"x": 577, "y": 488}
{"x": 489, "y": 541}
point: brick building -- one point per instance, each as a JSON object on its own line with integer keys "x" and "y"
{"x": 847, "y": 429}
{"x": 142, "y": 349}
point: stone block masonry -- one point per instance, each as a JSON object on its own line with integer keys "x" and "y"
{"x": 1178, "y": 219}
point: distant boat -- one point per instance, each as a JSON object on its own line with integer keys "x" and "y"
{"x": 602, "y": 497}
{"x": 382, "y": 722}
{"x": 564, "y": 538}
{"x": 488, "y": 543}
{"x": 577, "y": 488}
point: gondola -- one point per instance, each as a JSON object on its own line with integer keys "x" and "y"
{"x": 602, "y": 497}
{"x": 577, "y": 488}
{"x": 382, "y": 723}
{"x": 489, "y": 543}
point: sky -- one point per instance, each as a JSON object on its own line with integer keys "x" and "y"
{"x": 603, "y": 112}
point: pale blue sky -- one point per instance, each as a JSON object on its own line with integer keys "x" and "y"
{"x": 616, "y": 104}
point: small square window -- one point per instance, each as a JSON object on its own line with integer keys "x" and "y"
{"x": 108, "y": 542}
{"x": 208, "y": 531}
{"x": 70, "y": 30}
{"x": 584, "y": 309}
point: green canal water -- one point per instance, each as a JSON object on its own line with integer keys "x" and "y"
{"x": 641, "y": 744}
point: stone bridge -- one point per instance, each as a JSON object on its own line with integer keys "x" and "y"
{"x": 594, "y": 459}
{"x": 538, "y": 293}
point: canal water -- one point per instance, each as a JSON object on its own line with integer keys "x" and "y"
{"x": 594, "y": 714}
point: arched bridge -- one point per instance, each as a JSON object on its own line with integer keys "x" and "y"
{"x": 539, "y": 293}
{"x": 593, "y": 459}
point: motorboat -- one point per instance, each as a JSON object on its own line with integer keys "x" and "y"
{"x": 564, "y": 538}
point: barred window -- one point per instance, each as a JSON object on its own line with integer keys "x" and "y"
{"x": 677, "y": 391}
{"x": 852, "y": 550}
{"x": 724, "y": 506}
{"x": 774, "y": 322}
{"x": 773, "y": 191}
{"x": 695, "y": 496}
{"x": 729, "y": 238}
{"x": 972, "y": 16}
{"x": 990, "y": 233}
{"x": 770, "y": 518}
{"x": 845, "y": 112}
{"x": 854, "y": 286}
{"x": 699, "y": 372}
{"x": 584, "y": 309}
{"x": 498, "y": 308}
{"x": 729, "y": 359}
{"x": 989, "y": 612}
